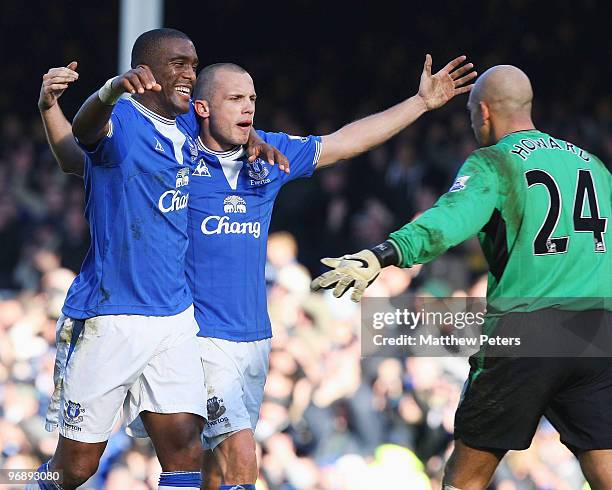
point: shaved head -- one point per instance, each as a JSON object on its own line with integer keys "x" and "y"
{"x": 205, "y": 85}
{"x": 504, "y": 88}
{"x": 500, "y": 102}
{"x": 224, "y": 100}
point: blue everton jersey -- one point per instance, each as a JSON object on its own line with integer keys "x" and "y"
{"x": 229, "y": 216}
{"x": 137, "y": 192}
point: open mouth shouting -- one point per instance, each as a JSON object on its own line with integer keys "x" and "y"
{"x": 245, "y": 125}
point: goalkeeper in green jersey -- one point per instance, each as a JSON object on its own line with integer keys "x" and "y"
{"x": 540, "y": 207}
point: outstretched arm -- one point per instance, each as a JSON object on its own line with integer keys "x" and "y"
{"x": 57, "y": 128}
{"x": 90, "y": 124}
{"x": 369, "y": 132}
{"x": 458, "y": 215}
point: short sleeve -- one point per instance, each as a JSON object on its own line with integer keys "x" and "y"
{"x": 112, "y": 149}
{"x": 303, "y": 152}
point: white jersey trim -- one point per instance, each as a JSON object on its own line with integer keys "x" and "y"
{"x": 317, "y": 155}
{"x": 166, "y": 127}
{"x": 232, "y": 154}
{"x": 150, "y": 114}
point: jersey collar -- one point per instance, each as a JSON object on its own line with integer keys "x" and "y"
{"x": 231, "y": 154}
{"x": 534, "y": 130}
{"x": 150, "y": 114}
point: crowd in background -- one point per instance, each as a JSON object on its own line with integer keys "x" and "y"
{"x": 331, "y": 420}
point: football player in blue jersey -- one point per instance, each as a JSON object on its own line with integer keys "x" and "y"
{"x": 231, "y": 200}
{"x": 229, "y": 217}
{"x": 126, "y": 339}
{"x": 71, "y": 338}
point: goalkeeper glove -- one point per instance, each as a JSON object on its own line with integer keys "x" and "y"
{"x": 357, "y": 270}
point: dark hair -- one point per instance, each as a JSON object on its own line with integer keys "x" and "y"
{"x": 204, "y": 83}
{"x": 146, "y": 47}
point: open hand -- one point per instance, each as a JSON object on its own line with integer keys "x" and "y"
{"x": 436, "y": 90}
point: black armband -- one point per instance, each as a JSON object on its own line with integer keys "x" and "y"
{"x": 386, "y": 253}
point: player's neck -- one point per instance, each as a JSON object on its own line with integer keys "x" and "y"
{"x": 215, "y": 144}
{"x": 514, "y": 127}
{"x": 153, "y": 105}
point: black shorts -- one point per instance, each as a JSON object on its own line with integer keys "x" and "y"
{"x": 505, "y": 397}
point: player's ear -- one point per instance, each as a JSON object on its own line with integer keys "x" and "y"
{"x": 202, "y": 108}
{"x": 484, "y": 111}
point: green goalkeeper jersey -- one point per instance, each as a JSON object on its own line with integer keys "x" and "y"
{"x": 540, "y": 207}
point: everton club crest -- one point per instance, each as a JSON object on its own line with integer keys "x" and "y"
{"x": 215, "y": 408}
{"x": 257, "y": 169}
{"x": 72, "y": 412}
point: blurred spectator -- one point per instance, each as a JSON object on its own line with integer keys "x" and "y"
{"x": 331, "y": 419}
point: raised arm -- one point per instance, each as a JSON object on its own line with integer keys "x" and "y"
{"x": 369, "y": 132}
{"x": 57, "y": 128}
{"x": 90, "y": 124}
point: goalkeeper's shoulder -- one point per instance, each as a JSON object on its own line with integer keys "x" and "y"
{"x": 489, "y": 158}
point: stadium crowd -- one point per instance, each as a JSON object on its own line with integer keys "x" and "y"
{"x": 331, "y": 420}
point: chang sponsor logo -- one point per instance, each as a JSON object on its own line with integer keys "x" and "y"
{"x": 182, "y": 177}
{"x": 172, "y": 200}
{"x": 234, "y": 204}
{"x": 221, "y": 225}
